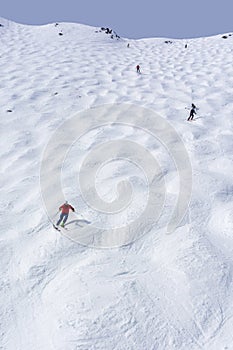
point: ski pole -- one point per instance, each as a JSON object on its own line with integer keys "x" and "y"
{"x": 79, "y": 215}
{"x": 55, "y": 214}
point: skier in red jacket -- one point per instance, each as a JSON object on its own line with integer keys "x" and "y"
{"x": 65, "y": 208}
{"x": 138, "y": 69}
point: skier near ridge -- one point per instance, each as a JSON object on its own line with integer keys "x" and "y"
{"x": 192, "y": 112}
{"x": 138, "y": 69}
{"x": 64, "y": 208}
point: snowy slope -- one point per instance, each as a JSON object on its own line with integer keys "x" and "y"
{"x": 162, "y": 291}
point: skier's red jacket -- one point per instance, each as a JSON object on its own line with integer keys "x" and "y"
{"x": 65, "y": 208}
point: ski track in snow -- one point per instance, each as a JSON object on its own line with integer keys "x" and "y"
{"x": 163, "y": 291}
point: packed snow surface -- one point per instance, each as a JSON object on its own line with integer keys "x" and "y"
{"x": 161, "y": 291}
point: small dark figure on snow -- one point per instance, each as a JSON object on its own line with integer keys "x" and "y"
{"x": 128, "y": 45}
{"x": 186, "y": 45}
{"x": 193, "y": 111}
{"x": 138, "y": 69}
{"x": 64, "y": 208}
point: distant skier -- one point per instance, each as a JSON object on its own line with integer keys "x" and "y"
{"x": 186, "y": 45}
{"x": 192, "y": 112}
{"x": 128, "y": 45}
{"x": 138, "y": 69}
{"x": 64, "y": 208}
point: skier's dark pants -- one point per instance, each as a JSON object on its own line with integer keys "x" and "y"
{"x": 63, "y": 217}
{"x": 191, "y": 115}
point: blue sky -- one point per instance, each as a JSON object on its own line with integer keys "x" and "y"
{"x": 130, "y": 19}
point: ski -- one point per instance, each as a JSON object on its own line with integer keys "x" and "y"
{"x": 65, "y": 228}
{"x": 56, "y": 228}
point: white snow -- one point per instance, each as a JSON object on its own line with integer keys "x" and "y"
{"x": 162, "y": 291}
